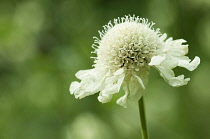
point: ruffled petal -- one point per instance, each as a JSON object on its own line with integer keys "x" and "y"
{"x": 166, "y": 73}
{"x": 137, "y": 84}
{"x": 169, "y": 77}
{"x": 105, "y": 98}
{"x": 73, "y": 87}
{"x": 156, "y": 60}
{"x": 170, "y": 62}
{"x": 136, "y": 91}
{"x": 140, "y": 81}
{"x": 175, "y": 47}
{"x": 113, "y": 85}
{"x": 83, "y": 74}
{"x": 173, "y": 55}
{"x": 81, "y": 93}
{"x": 189, "y": 65}
{"x": 92, "y": 81}
{"x": 178, "y": 81}
{"x": 133, "y": 86}
{"x": 122, "y": 101}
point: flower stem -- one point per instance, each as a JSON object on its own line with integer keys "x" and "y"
{"x": 143, "y": 119}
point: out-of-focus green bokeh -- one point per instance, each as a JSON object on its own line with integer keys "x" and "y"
{"x": 43, "y": 43}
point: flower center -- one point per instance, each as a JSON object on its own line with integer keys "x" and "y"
{"x": 128, "y": 45}
{"x": 135, "y": 55}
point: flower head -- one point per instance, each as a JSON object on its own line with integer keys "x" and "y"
{"x": 126, "y": 50}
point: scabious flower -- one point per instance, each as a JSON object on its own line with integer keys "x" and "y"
{"x": 126, "y": 50}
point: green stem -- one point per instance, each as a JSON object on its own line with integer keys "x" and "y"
{"x": 143, "y": 119}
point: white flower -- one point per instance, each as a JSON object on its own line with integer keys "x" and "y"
{"x": 125, "y": 52}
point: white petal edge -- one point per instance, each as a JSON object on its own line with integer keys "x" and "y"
{"x": 105, "y": 98}
{"x": 119, "y": 71}
{"x": 157, "y": 60}
{"x": 92, "y": 81}
{"x": 189, "y": 65}
{"x": 178, "y": 81}
{"x": 122, "y": 101}
{"x": 136, "y": 90}
{"x": 140, "y": 81}
{"x": 73, "y": 87}
{"x": 168, "y": 76}
{"x": 113, "y": 85}
{"x": 83, "y": 73}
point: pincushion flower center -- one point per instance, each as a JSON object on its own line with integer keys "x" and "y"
{"x": 135, "y": 55}
{"x": 128, "y": 45}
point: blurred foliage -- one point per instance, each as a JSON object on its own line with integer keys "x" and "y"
{"x": 43, "y": 43}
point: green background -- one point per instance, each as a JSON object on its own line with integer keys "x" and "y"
{"x": 43, "y": 43}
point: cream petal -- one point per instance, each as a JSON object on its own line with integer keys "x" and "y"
{"x": 111, "y": 80}
{"x": 122, "y": 101}
{"x": 113, "y": 85}
{"x": 120, "y": 80}
{"x": 119, "y": 71}
{"x": 170, "y": 63}
{"x": 169, "y": 77}
{"x": 105, "y": 98}
{"x": 73, "y": 87}
{"x": 80, "y": 94}
{"x": 140, "y": 81}
{"x": 175, "y": 47}
{"x": 136, "y": 90}
{"x": 181, "y": 41}
{"x": 83, "y": 73}
{"x": 178, "y": 81}
{"x": 174, "y": 52}
{"x": 165, "y": 72}
{"x": 92, "y": 81}
{"x": 111, "y": 89}
{"x": 132, "y": 86}
{"x": 96, "y": 85}
{"x": 189, "y": 65}
{"x": 156, "y": 60}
